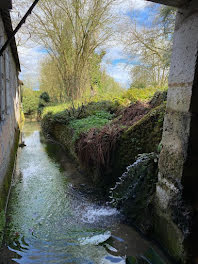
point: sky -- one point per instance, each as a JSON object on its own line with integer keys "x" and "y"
{"x": 115, "y": 62}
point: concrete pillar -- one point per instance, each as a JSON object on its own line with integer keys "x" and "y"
{"x": 177, "y": 187}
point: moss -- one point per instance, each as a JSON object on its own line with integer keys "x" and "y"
{"x": 9, "y": 172}
{"x": 7, "y": 182}
{"x": 134, "y": 192}
{"x": 22, "y": 119}
{"x": 170, "y": 237}
{"x": 98, "y": 120}
{"x": 173, "y": 226}
{"x": 158, "y": 98}
{"x": 2, "y": 225}
{"x": 142, "y": 137}
{"x": 64, "y": 135}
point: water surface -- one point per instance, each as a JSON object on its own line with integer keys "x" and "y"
{"x": 51, "y": 220}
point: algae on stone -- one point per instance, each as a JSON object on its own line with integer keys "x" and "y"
{"x": 2, "y": 225}
{"x": 135, "y": 190}
{"x": 4, "y": 190}
{"x": 143, "y": 137}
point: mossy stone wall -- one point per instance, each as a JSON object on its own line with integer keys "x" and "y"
{"x": 143, "y": 137}
{"x": 64, "y": 135}
{"x": 6, "y": 183}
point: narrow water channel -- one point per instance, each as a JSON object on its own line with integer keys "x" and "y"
{"x": 51, "y": 220}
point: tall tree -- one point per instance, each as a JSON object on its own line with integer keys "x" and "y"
{"x": 99, "y": 83}
{"x": 151, "y": 42}
{"x": 71, "y": 31}
{"x": 50, "y": 80}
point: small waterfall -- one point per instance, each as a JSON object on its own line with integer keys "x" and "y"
{"x": 134, "y": 192}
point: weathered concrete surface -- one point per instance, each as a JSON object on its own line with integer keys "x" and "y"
{"x": 175, "y": 3}
{"x": 6, "y": 4}
{"x": 179, "y": 156}
{"x": 9, "y": 118}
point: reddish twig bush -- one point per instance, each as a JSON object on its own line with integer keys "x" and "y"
{"x": 95, "y": 148}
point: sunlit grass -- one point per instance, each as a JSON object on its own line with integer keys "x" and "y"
{"x": 123, "y": 99}
{"x": 145, "y": 94}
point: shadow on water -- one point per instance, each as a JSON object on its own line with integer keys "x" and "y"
{"x": 49, "y": 218}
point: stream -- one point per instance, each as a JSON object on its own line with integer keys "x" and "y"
{"x": 53, "y": 217}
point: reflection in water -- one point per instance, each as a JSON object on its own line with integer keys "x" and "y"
{"x": 50, "y": 220}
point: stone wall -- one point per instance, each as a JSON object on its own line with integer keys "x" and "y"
{"x": 9, "y": 117}
{"x": 177, "y": 180}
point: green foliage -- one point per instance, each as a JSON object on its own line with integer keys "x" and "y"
{"x": 55, "y": 109}
{"x": 2, "y": 225}
{"x": 108, "y": 87}
{"x": 34, "y": 101}
{"x": 45, "y": 97}
{"x": 136, "y": 94}
{"x": 95, "y": 107}
{"x": 80, "y": 119}
{"x": 97, "y": 120}
{"x": 72, "y": 35}
{"x": 88, "y": 109}
{"x": 96, "y": 83}
{"x": 44, "y": 101}
{"x": 118, "y": 142}
{"x": 106, "y": 102}
{"x": 93, "y": 114}
{"x": 30, "y": 100}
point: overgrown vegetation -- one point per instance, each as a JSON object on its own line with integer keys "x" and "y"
{"x": 118, "y": 100}
{"x": 97, "y": 84}
{"x": 97, "y": 120}
{"x": 91, "y": 115}
{"x": 101, "y": 124}
{"x": 30, "y": 100}
{"x": 106, "y": 136}
{"x": 34, "y": 102}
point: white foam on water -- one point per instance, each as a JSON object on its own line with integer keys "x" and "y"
{"x": 95, "y": 240}
{"x": 93, "y": 214}
{"x": 109, "y": 247}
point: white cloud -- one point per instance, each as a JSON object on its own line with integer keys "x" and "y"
{"x": 115, "y": 52}
{"x": 120, "y": 72}
{"x": 114, "y": 62}
{"x": 30, "y": 59}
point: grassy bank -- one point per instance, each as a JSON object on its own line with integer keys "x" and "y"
{"x": 124, "y": 99}
{"x": 106, "y": 136}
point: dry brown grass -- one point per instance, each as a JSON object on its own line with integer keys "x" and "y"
{"x": 95, "y": 148}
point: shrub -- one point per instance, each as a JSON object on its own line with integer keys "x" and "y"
{"x": 136, "y": 94}
{"x": 30, "y": 101}
{"x": 45, "y": 97}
